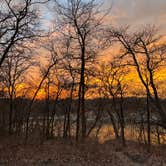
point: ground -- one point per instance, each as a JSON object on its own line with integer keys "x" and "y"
{"x": 90, "y": 153}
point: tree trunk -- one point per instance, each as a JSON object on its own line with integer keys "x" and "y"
{"x": 148, "y": 124}
{"x": 11, "y": 114}
{"x": 122, "y": 122}
{"x": 83, "y": 118}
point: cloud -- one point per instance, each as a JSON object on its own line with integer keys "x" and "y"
{"x": 139, "y": 12}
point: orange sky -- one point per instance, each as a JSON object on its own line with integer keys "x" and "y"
{"x": 123, "y": 12}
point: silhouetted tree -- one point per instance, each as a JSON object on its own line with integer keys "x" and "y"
{"x": 83, "y": 20}
{"x": 13, "y": 72}
{"x": 146, "y": 52}
{"x": 112, "y": 85}
{"x": 18, "y": 21}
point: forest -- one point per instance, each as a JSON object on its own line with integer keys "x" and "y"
{"x": 77, "y": 88}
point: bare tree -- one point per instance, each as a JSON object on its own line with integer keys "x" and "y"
{"x": 18, "y": 22}
{"x": 112, "y": 86}
{"x": 83, "y": 20}
{"x": 29, "y": 107}
{"x": 145, "y": 51}
{"x": 13, "y": 72}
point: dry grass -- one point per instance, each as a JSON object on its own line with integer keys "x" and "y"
{"x": 69, "y": 153}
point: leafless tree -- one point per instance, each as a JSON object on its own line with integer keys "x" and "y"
{"x": 18, "y": 21}
{"x": 146, "y": 52}
{"x": 83, "y": 20}
{"x": 112, "y": 86}
{"x": 13, "y": 72}
{"x": 29, "y": 107}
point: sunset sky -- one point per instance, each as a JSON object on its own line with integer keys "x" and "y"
{"x": 130, "y": 12}
{"x": 138, "y": 12}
